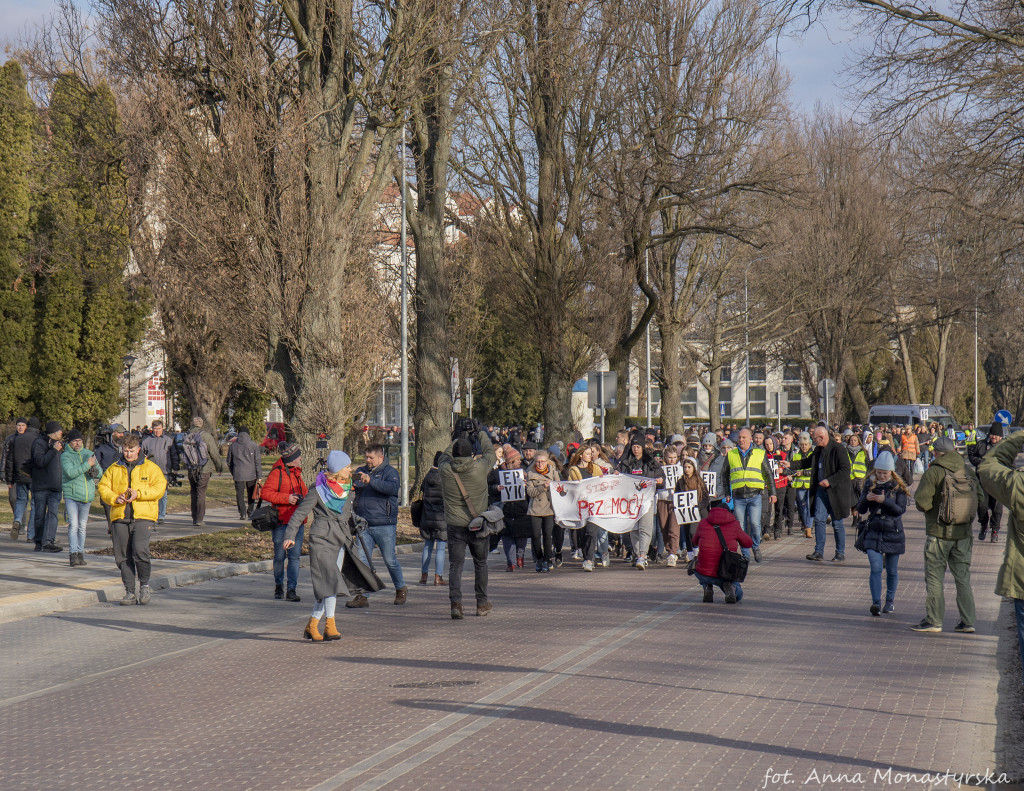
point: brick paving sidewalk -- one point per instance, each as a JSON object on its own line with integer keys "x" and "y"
{"x": 613, "y": 680}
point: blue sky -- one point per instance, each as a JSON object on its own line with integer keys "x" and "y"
{"x": 815, "y": 59}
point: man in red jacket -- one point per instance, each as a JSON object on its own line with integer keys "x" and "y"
{"x": 285, "y": 489}
{"x": 710, "y": 552}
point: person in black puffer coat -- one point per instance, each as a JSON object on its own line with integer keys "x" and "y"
{"x": 881, "y": 535}
{"x": 433, "y": 528}
{"x": 518, "y": 526}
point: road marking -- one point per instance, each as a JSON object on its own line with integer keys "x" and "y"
{"x": 484, "y": 715}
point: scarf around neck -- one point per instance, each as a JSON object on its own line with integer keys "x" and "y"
{"x": 332, "y": 493}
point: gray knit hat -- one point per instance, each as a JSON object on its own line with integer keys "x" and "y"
{"x": 709, "y": 439}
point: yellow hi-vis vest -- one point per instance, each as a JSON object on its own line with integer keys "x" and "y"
{"x": 859, "y": 466}
{"x": 972, "y": 437}
{"x": 749, "y": 476}
{"x": 803, "y": 477}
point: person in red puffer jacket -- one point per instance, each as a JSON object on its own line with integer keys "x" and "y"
{"x": 710, "y": 551}
{"x": 285, "y": 489}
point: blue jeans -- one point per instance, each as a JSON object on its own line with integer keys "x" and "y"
{"x": 21, "y": 505}
{"x": 803, "y": 504}
{"x": 434, "y": 548}
{"x": 1018, "y": 606}
{"x": 78, "y": 517}
{"x": 44, "y": 516}
{"x": 822, "y": 510}
{"x": 876, "y": 560}
{"x": 386, "y": 538}
{"x": 748, "y": 513}
{"x": 162, "y": 508}
{"x": 705, "y": 581}
{"x": 280, "y": 553}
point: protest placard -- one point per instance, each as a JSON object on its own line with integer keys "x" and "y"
{"x": 685, "y": 504}
{"x": 613, "y": 502}
{"x": 513, "y": 487}
{"x": 671, "y": 473}
{"x": 710, "y": 481}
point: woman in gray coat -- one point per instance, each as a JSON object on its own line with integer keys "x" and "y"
{"x": 332, "y": 555}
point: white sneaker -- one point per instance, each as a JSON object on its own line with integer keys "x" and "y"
{"x": 577, "y": 555}
{"x": 641, "y": 563}
{"x": 670, "y": 561}
{"x": 606, "y": 561}
{"x": 689, "y": 556}
{"x": 588, "y": 565}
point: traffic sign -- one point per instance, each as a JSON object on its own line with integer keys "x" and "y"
{"x": 1003, "y": 416}
{"x": 601, "y": 390}
{"x": 826, "y": 388}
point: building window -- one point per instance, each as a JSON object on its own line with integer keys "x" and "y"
{"x": 689, "y": 401}
{"x": 757, "y": 371}
{"x": 725, "y": 374}
{"x": 655, "y": 394}
{"x": 725, "y": 400}
{"x": 791, "y": 372}
{"x": 794, "y": 403}
{"x": 758, "y": 401}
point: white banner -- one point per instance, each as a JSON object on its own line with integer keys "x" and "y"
{"x": 671, "y": 473}
{"x": 613, "y": 502}
{"x": 773, "y": 465}
{"x": 685, "y": 504}
{"x": 513, "y": 487}
{"x": 710, "y": 481}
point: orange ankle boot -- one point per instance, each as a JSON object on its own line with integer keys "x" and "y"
{"x": 331, "y": 631}
{"x": 313, "y": 631}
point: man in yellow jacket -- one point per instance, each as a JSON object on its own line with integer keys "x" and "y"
{"x": 132, "y": 486}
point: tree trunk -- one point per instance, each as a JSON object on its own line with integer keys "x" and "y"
{"x": 671, "y": 391}
{"x": 714, "y": 392}
{"x": 205, "y": 396}
{"x": 860, "y": 403}
{"x": 557, "y": 402}
{"x": 940, "y": 368}
{"x": 908, "y": 367}
{"x": 618, "y": 361}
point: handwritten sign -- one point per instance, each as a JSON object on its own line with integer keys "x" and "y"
{"x": 613, "y": 502}
{"x": 773, "y": 465}
{"x": 710, "y": 481}
{"x": 513, "y": 487}
{"x": 685, "y": 505}
{"x": 671, "y": 473}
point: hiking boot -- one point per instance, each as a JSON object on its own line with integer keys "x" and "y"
{"x": 72, "y": 559}
{"x": 757, "y": 555}
{"x": 730, "y": 592}
{"x": 982, "y": 533}
{"x": 875, "y": 609}
{"x": 926, "y": 626}
{"x": 838, "y": 557}
{"x": 15, "y": 529}
{"x": 709, "y": 594}
{"x": 129, "y": 598}
{"x": 279, "y": 591}
{"x": 423, "y": 579}
{"x": 963, "y": 628}
{"x": 81, "y": 559}
{"x": 482, "y": 608}
{"x": 145, "y": 594}
{"x": 51, "y": 547}
{"x": 291, "y": 595}
{"x": 457, "y": 611}
{"x": 995, "y": 536}
{"x": 438, "y": 579}
{"x": 359, "y": 600}
{"x": 815, "y": 556}
{"x": 807, "y": 533}
{"x": 401, "y": 594}
{"x": 312, "y": 631}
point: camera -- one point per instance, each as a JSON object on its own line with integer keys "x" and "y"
{"x": 321, "y": 441}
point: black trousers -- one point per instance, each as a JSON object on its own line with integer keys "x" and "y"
{"x": 198, "y": 481}
{"x": 458, "y": 539}
{"x": 591, "y": 536}
{"x": 244, "y": 491}
{"x": 785, "y": 507}
{"x": 543, "y": 529}
{"x": 991, "y": 514}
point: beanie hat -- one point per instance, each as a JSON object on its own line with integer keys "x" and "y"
{"x": 74, "y": 434}
{"x": 53, "y": 426}
{"x": 530, "y": 446}
{"x": 709, "y": 439}
{"x": 554, "y": 450}
{"x": 291, "y": 453}
{"x": 116, "y": 428}
{"x": 337, "y": 460}
{"x": 943, "y": 445}
{"x": 511, "y": 454}
{"x": 463, "y": 447}
{"x": 727, "y": 444}
{"x": 885, "y": 461}
{"x": 676, "y": 438}
{"x": 21, "y": 420}
{"x": 848, "y": 433}
{"x": 804, "y": 436}
{"x": 997, "y": 430}
{"x": 33, "y": 422}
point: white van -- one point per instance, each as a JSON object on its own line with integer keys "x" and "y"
{"x": 915, "y": 414}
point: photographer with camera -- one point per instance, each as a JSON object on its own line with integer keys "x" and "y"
{"x": 161, "y": 449}
{"x": 376, "y": 484}
{"x": 47, "y": 486}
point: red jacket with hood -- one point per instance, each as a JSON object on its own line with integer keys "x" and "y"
{"x": 282, "y": 481}
{"x": 707, "y": 539}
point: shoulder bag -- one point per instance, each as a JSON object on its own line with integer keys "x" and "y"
{"x": 490, "y": 522}
{"x": 264, "y": 517}
{"x": 732, "y": 566}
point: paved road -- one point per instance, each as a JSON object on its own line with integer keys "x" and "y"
{"x": 613, "y": 680}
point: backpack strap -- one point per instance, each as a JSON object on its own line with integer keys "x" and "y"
{"x": 721, "y": 538}
{"x": 465, "y": 496}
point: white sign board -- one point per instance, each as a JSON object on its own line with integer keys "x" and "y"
{"x": 671, "y": 473}
{"x": 613, "y": 502}
{"x": 773, "y": 465}
{"x": 513, "y": 487}
{"x": 685, "y": 505}
{"x": 710, "y": 481}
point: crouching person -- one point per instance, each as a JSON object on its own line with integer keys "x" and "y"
{"x": 332, "y": 550}
{"x": 132, "y": 487}
{"x": 710, "y": 551}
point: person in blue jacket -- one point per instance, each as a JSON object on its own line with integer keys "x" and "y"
{"x": 376, "y": 484}
{"x": 881, "y": 536}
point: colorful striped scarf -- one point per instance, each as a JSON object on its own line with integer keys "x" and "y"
{"x": 332, "y": 493}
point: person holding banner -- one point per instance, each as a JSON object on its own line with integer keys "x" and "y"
{"x": 667, "y": 521}
{"x": 582, "y": 467}
{"x": 691, "y": 481}
{"x": 747, "y": 474}
{"x": 542, "y": 515}
{"x": 706, "y": 540}
{"x": 508, "y": 485}
{"x": 711, "y": 463}
{"x": 640, "y": 463}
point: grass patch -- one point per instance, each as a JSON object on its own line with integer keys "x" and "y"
{"x": 239, "y": 545}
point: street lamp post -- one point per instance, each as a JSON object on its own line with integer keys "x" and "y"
{"x": 405, "y": 341}
{"x": 128, "y": 361}
{"x": 647, "y": 278}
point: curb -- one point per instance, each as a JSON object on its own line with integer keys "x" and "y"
{"x": 64, "y": 599}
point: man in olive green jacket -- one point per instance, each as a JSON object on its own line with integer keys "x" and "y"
{"x": 472, "y": 472}
{"x": 945, "y": 545}
{"x": 1006, "y": 485}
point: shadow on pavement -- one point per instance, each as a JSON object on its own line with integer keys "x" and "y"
{"x": 426, "y": 664}
{"x": 225, "y": 634}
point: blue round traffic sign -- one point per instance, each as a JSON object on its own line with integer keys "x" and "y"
{"x": 1003, "y": 416}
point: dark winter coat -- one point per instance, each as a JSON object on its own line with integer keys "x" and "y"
{"x": 107, "y": 454}
{"x": 472, "y": 471}
{"x": 47, "y": 474}
{"x": 244, "y": 458}
{"x": 7, "y": 460}
{"x": 714, "y": 462}
{"x": 835, "y": 463}
{"x": 162, "y": 451}
{"x": 432, "y": 524}
{"x": 377, "y": 501}
{"x": 883, "y": 527}
{"x": 23, "y": 455}
{"x": 517, "y": 520}
{"x": 707, "y": 539}
{"x": 646, "y": 466}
